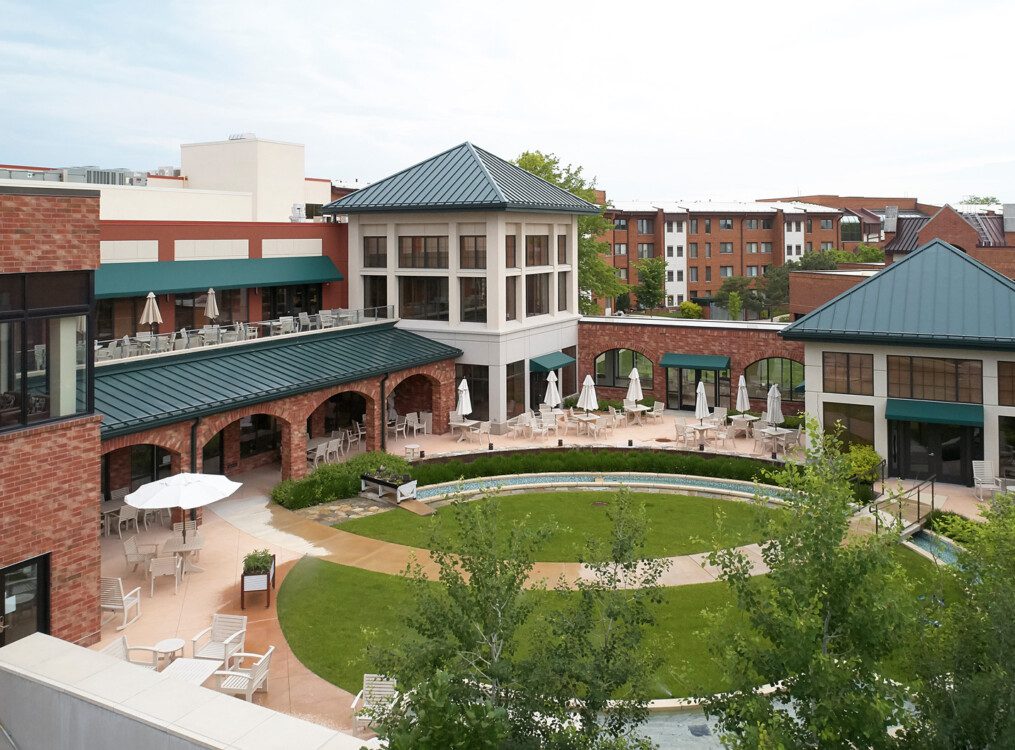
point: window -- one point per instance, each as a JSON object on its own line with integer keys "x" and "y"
{"x": 620, "y": 224}
{"x": 478, "y": 378}
{"x": 694, "y": 226}
{"x": 692, "y": 250}
{"x": 375, "y": 291}
{"x": 511, "y": 298}
{"x": 766, "y": 223}
{"x": 725, "y": 271}
{"x": 620, "y": 248}
{"x": 798, "y": 250}
{"x": 752, "y": 247}
{"x": 708, "y": 226}
{"x": 764, "y": 269}
{"x": 708, "y": 249}
{"x": 752, "y": 270}
{"x": 826, "y": 246}
{"x": 472, "y": 251}
{"x": 680, "y": 226}
{"x": 810, "y": 225}
{"x": 849, "y": 229}
{"x": 936, "y": 379}
{"x": 422, "y": 252}
{"x": 693, "y": 271}
{"x": 537, "y": 250}
{"x": 680, "y": 251}
{"x": 514, "y": 388}
{"x": 766, "y": 247}
{"x": 1006, "y": 444}
{"x": 669, "y": 226}
{"x": 472, "y": 299}
{"x": 680, "y": 298}
{"x": 669, "y": 251}
{"x": 680, "y": 275}
{"x": 622, "y": 274}
{"x": 646, "y": 226}
{"x": 510, "y": 254}
{"x": 613, "y": 368}
{"x": 375, "y": 252}
{"x": 562, "y": 290}
{"x": 1006, "y": 383}
{"x": 259, "y": 433}
{"x": 826, "y": 223}
{"x": 725, "y": 223}
{"x": 810, "y": 246}
{"x": 788, "y": 374}
{"x": 751, "y": 224}
{"x": 848, "y": 373}
{"x": 856, "y": 422}
{"x": 537, "y": 294}
{"x": 562, "y": 249}
{"x": 646, "y": 249}
{"x": 708, "y": 273}
{"x": 725, "y": 248}
{"x": 789, "y": 249}
{"x": 423, "y": 297}
{"x": 669, "y": 300}
{"x": 312, "y": 210}
{"x": 669, "y": 275}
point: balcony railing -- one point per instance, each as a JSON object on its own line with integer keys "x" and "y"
{"x": 145, "y": 344}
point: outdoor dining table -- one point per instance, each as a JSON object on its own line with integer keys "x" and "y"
{"x": 312, "y": 444}
{"x": 176, "y": 546}
{"x": 110, "y": 509}
{"x": 194, "y": 671}
{"x": 637, "y": 410}
{"x": 586, "y": 419}
{"x": 465, "y": 425}
{"x": 702, "y": 429}
{"x": 774, "y": 433}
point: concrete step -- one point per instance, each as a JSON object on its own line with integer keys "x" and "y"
{"x": 415, "y": 506}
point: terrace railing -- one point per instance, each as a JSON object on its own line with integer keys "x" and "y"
{"x": 907, "y": 509}
{"x": 145, "y": 344}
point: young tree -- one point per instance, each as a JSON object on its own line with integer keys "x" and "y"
{"x": 751, "y": 296}
{"x": 651, "y": 287}
{"x": 596, "y": 278}
{"x": 688, "y": 309}
{"x": 734, "y": 305}
{"x": 820, "y": 626}
{"x": 869, "y": 254}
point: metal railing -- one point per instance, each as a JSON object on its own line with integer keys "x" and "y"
{"x": 145, "y": 344}
{"x": 907, "y": 508}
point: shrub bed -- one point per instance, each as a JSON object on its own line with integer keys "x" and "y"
{"x": 957, "y": 528}
{"x": 335, "y": 481}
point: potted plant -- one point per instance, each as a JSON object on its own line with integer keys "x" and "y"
{"x": 258, "y": 575}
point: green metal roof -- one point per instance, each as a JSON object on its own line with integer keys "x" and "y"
{"x": 551, "y": 361}
{"x": 935, "y": 296}
{"x": 462, "y": 178}
{"x": 936, "y": 412}
{"x": 165, "y": 277}
{"x": 695, "y": 361}
{"x": 147, "y": 392}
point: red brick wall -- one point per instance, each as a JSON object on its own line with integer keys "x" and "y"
{"x": 1001, "y": 259}
{"x": 948, "y": 225}
{"x": 41, "y": 233}
{"x": 49, "y": 504}
{"x": 811, "y": 289}
{"x": 743, "y": 346}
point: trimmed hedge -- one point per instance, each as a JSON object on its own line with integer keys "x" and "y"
{"x": 334, "y": 481}
{"x": 571, "y": 402}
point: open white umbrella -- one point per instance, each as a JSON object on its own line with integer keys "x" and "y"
{"x": 552, "y": 397}
{"x": 743, "y": 399}
{"x": 701, "y": 411}
{"x": 587, "y": 398}
{"x": 464, "y": 402}
{"x": 634, "y": 386}
{"x": 775, "y": 405}
{"x": 150, "y": 315}
{"x": 211, "y": 307}
{"x": 185, "y": 490}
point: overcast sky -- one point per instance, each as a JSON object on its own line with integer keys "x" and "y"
{"x": 657, "y": 100}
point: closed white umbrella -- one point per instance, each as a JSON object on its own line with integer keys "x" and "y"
{"x": 211, "y": 307}
{"x": 150, "y": 315}
{"x": 464, "y": 402}
{"x": 743, "y": 400}
{"x": 552, "y": 397}
{"x": 587, "y": 398}
{"x": 187, "y": 491}
{"x": 634, "y": 386}
{"x": 775, "y": 405}
{"x": 701, "y": 403}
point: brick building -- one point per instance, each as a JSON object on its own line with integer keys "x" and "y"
{"x": 49, "y": 556}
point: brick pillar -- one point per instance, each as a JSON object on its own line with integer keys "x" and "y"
{"x": 167, "y": 309}
{"x": 119, "y": 468}
{"x": 317, "y": 420}
{"x": 294, "y": 451}
{"x": 231, "y": 448}
{"x": 254, "y": 311}
{"x": 443, "y": 397}
{"x": 372, "y": 422}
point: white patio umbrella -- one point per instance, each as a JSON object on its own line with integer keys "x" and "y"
{"x": 185, "y": 490}
{"x": 150, "y": 315}
{"x": 552, "y": 397}
{"x": 775, "y": 405}
{"x": 211, "y": 307}
{"x": 743, "y": 400}
{"x": 587, "y": 398}
{"x": 634, "y": 386}
{"x": 464, "y": 401}
{"x": 700, "y": 403}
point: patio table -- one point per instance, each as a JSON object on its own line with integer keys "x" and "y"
{"x": 108, "y": 510}
{"x": 176, "y": 546}
{"x": 312, "y": 444}
{"x": 465, "y": 425}
{"x": 702, "y": 430}
{"x": 586, "y": 419}
{"x": 194, "y": 671}
{"x": 773, "y": 434}
{"x": 637, "y": 410}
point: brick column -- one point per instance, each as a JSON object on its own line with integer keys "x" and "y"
{"x": 294, "y": 451}
{"x": 372, "y": 422}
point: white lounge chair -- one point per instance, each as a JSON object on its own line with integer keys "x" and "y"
{"x": 113, "y": 599}
{"x": 224, "y": 639}
{"x": 984, "y": 478}
{"x": 246, "y": 681}
{"x": 119, "y": 649}
{"x": 378, "y": 692}
{"x": 170, "y": 565}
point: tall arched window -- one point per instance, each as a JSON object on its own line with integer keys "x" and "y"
{"x": 788, "y": 374}
{"x": 613, "y": 367}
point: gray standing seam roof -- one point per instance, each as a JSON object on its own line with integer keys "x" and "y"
{"x": 462, "y": 178}
{"x": 906, "y": 235}
{"x": 935, "y": 296}
{"x": 139, "y": 394}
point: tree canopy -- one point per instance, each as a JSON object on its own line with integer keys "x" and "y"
{"x": 651, "y": 286}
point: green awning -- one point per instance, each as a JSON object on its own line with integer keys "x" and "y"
{"x": 168, "y": 277}
{"x": 695, "y": 361}
{"x": 551, "y": 361}
{"x": 936, "y": 412}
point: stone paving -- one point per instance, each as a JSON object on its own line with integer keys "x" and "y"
{"x": 338, "y": 511}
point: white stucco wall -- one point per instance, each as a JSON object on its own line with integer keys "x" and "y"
{"x": 128, "y": 251}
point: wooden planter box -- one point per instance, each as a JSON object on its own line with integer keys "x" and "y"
{"x": 402, "y": 489}
{"x": 258, "y": 582}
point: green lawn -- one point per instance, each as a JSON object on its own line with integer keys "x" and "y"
{"x": 678, "y": 524}
{"x": 325, "y": 610}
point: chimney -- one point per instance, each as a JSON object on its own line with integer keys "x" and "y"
{"x": 891, "y": 218}
{"x": 1009, "y": 217}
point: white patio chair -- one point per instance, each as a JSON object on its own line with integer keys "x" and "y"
{"x": 478, "y": 430}
{"x": 398, "y": 426}
{"x": 319, "y": 455}
{"x": 567, "y": 422}
{"x": 412, "y": 421}
{"x": 984, "y": 478}
{"x": 721, "y": 434}
{"x": 327, "y": 319}
{"x": 286, "y": 324}
{"x": 138, "y": 554}
{"x": 354, "y": 434}
{"x": 306, "y": 323}
{"x": 518, "y": 426}
{"x": 128, "y": 515}
{"x": 119, "y": 649}
{"x": 426, "y": 419}
{"x": 719, "y": 414}
{"x": 113, "y": 599}
{"x": 246, "y": 681}
{"x": 224, "y": 639}
{"x": 377, "y": 693}
{"x": 739, "y": 424}
{"x": 165, "y": 566}
{"x": 536, "y": 427}
{"x": 336, "y": 448}
{"x": 656, "y": 412}
{"x": 549, "y": 423}
{"x": 454, "y": 416}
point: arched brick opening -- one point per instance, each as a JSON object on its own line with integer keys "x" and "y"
{"x": 414, "y": 393}
{"x": 338, "y": 412}
{"x": 241, "y": 440}
{"x": 130, "y": 466}
{"x": 431, "y": 386}
{"x": 611, "y": 367}
{"x": 364, "y": 392}
{"x": 786, "y": 372}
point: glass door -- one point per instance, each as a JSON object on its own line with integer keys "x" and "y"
{"x": 25, "y": 590}
{"x": 919, "y": 450}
